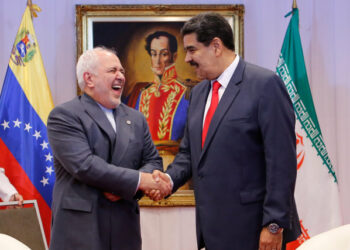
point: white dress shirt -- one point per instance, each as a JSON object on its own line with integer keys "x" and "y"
{"x": 110, "y": 116}
{"x": 224, "y": 80}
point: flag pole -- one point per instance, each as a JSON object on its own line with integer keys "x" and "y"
{"x": 30, "y": 5}
{"x": 33, "y": 9}
{"x": 294, "y": 4}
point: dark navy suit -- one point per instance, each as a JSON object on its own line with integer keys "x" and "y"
{"x": 244, "y": 176}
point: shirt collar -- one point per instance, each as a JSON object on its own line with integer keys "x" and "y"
{"x": 226, "y": 76}
{"x": 105, "y": 110}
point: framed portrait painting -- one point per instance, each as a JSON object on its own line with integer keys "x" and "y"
{"x": 158, "y": 81}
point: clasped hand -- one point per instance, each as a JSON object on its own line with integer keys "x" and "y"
{"x": 156, "y": 185}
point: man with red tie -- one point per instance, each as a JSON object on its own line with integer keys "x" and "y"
{"x": 238, "y": 146}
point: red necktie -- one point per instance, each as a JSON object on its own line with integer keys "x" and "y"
{"x": 211, "y": 110}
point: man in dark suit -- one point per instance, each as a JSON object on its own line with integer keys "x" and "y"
{"x": 239, "y": 145}
{"x": 103, "y": 155}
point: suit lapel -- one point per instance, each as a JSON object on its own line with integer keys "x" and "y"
{"x": 225, "y": 102}
{"x": 197, "y": 117}
{"x": 124, "y": 126}
{"x": 96, "y": 113}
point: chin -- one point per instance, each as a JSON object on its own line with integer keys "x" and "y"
{"x": 117, "y": 103}
{"x": 201, "y": 77}
{"x": 156, "y": 71}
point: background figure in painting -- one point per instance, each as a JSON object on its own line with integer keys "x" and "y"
{"x": 162, "y": 101}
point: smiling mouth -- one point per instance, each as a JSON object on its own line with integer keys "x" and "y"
{"x": 117, "y": 87}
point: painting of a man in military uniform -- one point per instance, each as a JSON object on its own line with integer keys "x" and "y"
{"x": 163, "y": 101}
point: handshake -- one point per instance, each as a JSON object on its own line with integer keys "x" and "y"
{"x": 156, "y": 185}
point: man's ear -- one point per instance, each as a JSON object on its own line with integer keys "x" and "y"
{"x": 88, "y": 79}
{"x": 217, "y": 45}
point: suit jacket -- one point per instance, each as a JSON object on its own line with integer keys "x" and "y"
{"x": 89, "y": 158}
{"x": 244, "y": 176}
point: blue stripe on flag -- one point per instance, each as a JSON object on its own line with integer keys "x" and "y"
{"x": 24, "y": 133}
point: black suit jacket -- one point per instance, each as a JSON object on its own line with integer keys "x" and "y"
{"x": 244, "y": 176}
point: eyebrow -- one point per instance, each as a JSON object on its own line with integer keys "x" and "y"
{"x": 115, "y": 68}
{"x": 189, "y": 47}
{"x": 111, "y": 68}
{"x": 160, "y": 50}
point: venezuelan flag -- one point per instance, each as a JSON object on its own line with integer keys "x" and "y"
{"x": 25, "y": 103}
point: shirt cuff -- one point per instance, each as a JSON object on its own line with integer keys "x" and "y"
{"x": 171, "y": 181}
{"x": 138, "y": 183}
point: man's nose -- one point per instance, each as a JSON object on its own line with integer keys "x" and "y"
{"x": 158, "y": 59}
{"x": 188, "y": 58}
{"x": 120, "y": 76}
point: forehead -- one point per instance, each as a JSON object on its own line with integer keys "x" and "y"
{"x": 102, "y": 54}
{"x": 190, "y": 40}
{"x": 106, "y": 58}
{"x": 160, "y": 42}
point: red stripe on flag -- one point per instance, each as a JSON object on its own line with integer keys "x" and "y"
{"x": 293, "y": 245}
{"x": 24, "y": 186}
{"x": 301, "y": 239}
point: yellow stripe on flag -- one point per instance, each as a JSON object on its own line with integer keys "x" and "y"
{"x": 27, "y": 65}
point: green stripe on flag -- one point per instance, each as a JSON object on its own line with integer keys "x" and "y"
{"x": 291, "y": 68}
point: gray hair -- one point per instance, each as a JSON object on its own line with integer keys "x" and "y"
{"x": 87, "y": 63}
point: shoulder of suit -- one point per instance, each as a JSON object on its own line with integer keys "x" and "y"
{"x": 258, "y": 70}
{"x": 71, "y": 105}
{"x": 129, "y": 110}
{"x": 201, "y": 85}
{"x": 261, "y": 78}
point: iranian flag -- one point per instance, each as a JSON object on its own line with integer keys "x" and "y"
{"x": 316, "y": 190}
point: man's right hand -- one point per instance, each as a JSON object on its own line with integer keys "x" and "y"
{"x": 156, "y": 185}
{"x": 111, "y": 197}
{"x": 160, "y": 176}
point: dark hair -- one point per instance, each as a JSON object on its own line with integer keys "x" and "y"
{"x": 157, "y": 34}
{"x": 207, "y": 26}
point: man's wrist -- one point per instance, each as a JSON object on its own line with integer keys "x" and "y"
{"x": 274, "y": 228}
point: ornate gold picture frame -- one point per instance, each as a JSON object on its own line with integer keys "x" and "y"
{"x": 125, "y": 28}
